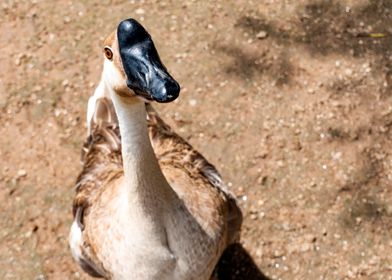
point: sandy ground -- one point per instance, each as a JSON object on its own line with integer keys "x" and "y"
{"x": 291, "y": 100}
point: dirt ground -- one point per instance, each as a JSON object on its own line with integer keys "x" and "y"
{"x": 291, "y": 100}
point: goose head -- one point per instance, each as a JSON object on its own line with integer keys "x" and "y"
{"x": 132, "y": 67}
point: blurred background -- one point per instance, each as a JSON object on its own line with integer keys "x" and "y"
{"x": 291, "y": 100}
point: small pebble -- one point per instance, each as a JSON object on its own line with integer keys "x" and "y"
{"x": 140, "y": 11}
{"x": 262, "y": 35}
{"x": 21, "y": 173}
{"x": 65, "y": 83}
{"x": 193, "y": 102}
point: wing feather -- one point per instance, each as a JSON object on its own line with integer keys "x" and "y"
{"x": 102, "y": 163}
{"x": 172, "y": 149}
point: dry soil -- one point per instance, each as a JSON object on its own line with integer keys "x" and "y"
{"x": 291, "y": 100}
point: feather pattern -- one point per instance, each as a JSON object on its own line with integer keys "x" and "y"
{"x": 172, "y": 150}
{"x": 195, "y": 181}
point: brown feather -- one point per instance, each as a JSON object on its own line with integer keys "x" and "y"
{"x": 174, "y": 153}
{"x": 191, "y": 176}
{"x": 102, "y": 163}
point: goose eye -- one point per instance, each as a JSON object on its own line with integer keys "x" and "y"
{"x": 108, "y": 53}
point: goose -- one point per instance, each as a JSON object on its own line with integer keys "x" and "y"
{"x": 147, "y": 205}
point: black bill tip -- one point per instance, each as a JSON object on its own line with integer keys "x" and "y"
{"x": 168, "y": 91}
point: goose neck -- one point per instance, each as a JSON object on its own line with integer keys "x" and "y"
{"x": 143, "y": 176}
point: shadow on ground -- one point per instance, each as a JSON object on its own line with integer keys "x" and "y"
{"x": 327, "y": 26}
{"x": 237, "y": 264}
{"x": 363, "y": 204}
{"x": 322, "y": 27}
{"x": 247, "y": 63}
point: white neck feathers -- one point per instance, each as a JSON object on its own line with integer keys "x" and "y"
{"x": 143, "y": 178}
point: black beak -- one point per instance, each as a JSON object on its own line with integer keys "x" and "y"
{"x": 146, "y": 75}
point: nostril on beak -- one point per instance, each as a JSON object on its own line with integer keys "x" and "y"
{"x": 167, "y": 91}
{"x": 172, "y": 88}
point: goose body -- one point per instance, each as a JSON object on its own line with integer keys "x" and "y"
{"x": 147, "y": 205}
